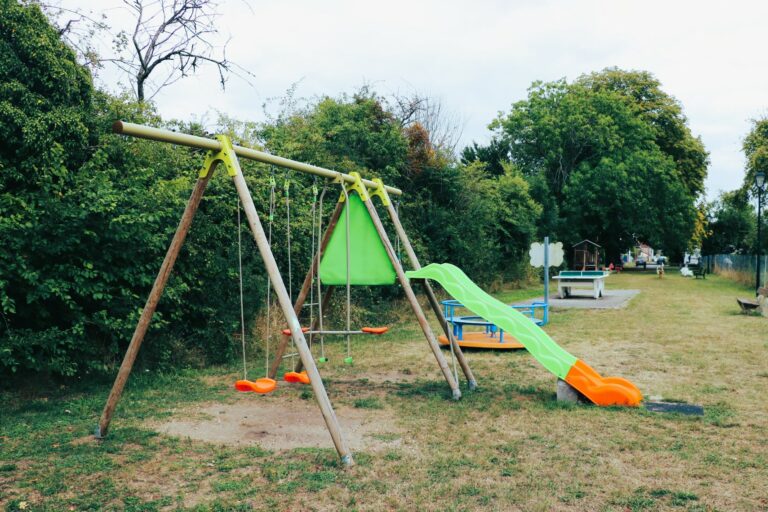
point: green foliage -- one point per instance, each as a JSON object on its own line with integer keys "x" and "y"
{"x": 664, "y": 114}
{"x": 756, "y": 150}
{"x": 609, "y": 157}
{"x": 732, "y": 224}
{"x": 598, "y": 199}
{"x": 451, "y": 212}
{"x": 86, "y": 216}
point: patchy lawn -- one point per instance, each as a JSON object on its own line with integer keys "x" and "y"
{"x": 508, "y": 446}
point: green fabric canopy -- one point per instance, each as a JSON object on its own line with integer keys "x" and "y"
{"x": 368, "y": 260}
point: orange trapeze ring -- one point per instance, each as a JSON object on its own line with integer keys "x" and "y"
{"x": 375, "y": 330}
{"x": 297, "y": 377}
{"x": 261, "y": 386}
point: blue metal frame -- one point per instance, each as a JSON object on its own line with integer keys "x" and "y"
{"x": 458, "y": 322}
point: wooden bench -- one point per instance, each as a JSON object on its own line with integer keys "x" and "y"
{"x": 699, "y": 272}
{"x": 747, "y": 306}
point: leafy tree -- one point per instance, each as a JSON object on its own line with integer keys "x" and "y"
{"x": 664, "y": 114}
{"x": 560, "y": 127}
{"x": 756, "y": 150}
{"x": 349, "y": 133}
{"x": 613, "y": 202}
{"x": 732, "y": 224}
{"x": 85, "y": 218}
{"x": 593, "y": 148}
{"x": 452, "y": 212}
{"x": 493, "y": 156}
{"x": 701, "y": 227}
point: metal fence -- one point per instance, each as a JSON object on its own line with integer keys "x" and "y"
{"x": 738, "y": 267}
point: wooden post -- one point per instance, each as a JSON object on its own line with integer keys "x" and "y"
{"x": 305, "y": 287}
{"x": 151, "y": 305}
{"x": 413, "y": 300}
{"x": 432, "y": 298}
{"x": 316, "y": 382}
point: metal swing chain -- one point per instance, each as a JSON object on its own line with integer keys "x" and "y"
{"x": 317, "y": 273}
{"x": 240, "y": 278}
{"x": 272, "y": 185}
{"x": 287, "y": 188}
{"x": 313, "y": 214}
{"x": 397, "y": 237}
{"x": 349, "y": 301}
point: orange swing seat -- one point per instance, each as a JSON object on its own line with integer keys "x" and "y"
{"x": 375, "y": 330}
{"x": 261, "y": 386}
{"x": 294, "y": 377}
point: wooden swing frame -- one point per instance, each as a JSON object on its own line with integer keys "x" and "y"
{"x": 222, "y": 151}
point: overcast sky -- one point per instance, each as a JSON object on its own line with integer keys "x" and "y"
{"x": 479, "y": 57}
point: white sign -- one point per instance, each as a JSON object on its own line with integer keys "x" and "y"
{"x": 555, "y": 254}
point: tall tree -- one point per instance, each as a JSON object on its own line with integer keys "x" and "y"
{"x": 664, "y": 114}
{"x": 731, "y": 224}
{"x": 756, "y": 150}
{"x": 600, "y": 160}
{"x": 443, "y": 126}
{"x": 169, "y": 40}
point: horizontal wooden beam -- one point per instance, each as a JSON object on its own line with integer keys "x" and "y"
{"x": 193, "y": 141}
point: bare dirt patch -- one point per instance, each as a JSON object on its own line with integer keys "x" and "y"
{"x": 276, "y": 423}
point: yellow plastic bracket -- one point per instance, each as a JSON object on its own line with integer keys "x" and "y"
{"x": 226, "y": 155}
{"x": 357, "y": 186}
{"x": 381, "y": 192}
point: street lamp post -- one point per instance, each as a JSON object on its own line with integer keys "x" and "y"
{"x": 760, "y": 184}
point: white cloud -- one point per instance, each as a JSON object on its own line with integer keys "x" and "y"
{"x": 479, "y": 57}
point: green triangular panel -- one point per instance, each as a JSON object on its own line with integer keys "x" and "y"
{"x": 368, "y": 260}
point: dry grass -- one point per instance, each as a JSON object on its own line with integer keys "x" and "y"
{"x": 507, "y": 446}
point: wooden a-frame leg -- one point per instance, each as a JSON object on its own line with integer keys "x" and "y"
{"x": 422, "y": 319}
{"x": 151, "y": 305}
{"x": 432, "y": 298}
{"x": 305, "y": 288}
{"x": 260, "y": 237}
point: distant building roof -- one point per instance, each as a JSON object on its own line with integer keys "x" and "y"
{"x": 585, "y": 241}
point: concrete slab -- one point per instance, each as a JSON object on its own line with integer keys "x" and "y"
{"x": 583, "y": 299}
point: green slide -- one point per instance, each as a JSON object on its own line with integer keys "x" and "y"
{"x": 600, "y": 390}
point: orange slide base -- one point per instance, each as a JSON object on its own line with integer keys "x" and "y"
{"x": 483, "y": 340}
{"x": 602, "y": 390}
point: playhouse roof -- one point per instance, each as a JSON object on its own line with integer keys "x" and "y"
{"x": 585, "y": 241}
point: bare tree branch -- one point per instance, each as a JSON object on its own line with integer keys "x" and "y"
{"x": 444, "y": 127}
{"x": 78, "y": 28}
{"x": 168, "y": 38}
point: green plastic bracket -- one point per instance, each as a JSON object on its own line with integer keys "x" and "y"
{"x": 226, "y": 155}
{"x": 381, "y": 192}
{"x": 357, "y": 186}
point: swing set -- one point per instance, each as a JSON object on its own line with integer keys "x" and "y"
{"x": 354, "y": 250}
{"x": 338, "y": 253}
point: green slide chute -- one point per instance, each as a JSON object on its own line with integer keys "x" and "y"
{"x": 553, "y": 357}
{"x": 368, "y": 261}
